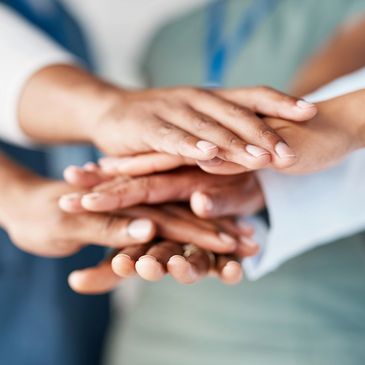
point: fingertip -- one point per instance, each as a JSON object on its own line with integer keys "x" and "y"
{"x": 231, "y": 273}
{"x": 71, "y": 173}
{"x": 248, "y": 247}
{"x": 302, "y": 111}
{"x": 71, "y": 203}
{"x": 142, "y": 229}
{"x": 201, "y": 204}
{"x": 181, "y": 270}
{"x": 123, "y": 265}
{"x": 226, "y": 243}
{"x": 149, "y": 268}
{"x": 76, "y": 281}
{"x": 99, "y": 202}
{"x": 209, "y": 149}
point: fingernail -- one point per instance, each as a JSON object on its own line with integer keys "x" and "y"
{"x": 256, "y": 151}
{"x": 249, "y": 242}
{"x": 283, "y": 150}
{"x": 93, "y": 196}
{"x": 111, "y": 164}
{"x": 147, "y": 258}
{"x": 232, "y": 265}
{"x": 74, "y": 278}
{"x": 213, "y": 162}
{"x": 140, "y": 229}
{"x": 73, "y": 168}
{"x": 303, "y": 104}
{"x": 104, "y": 201}
{"x": 90, "y": 166}
{"x": 206, "y": 146}
{"x": 202, "y": 202}
{"x": 227, "y": 239}
{"x": 71, "y": 197}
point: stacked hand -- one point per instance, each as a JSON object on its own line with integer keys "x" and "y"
{"x": 320, "y": 143}
{"x": 176, "y": 224}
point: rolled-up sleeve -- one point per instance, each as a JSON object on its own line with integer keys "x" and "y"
{"x": 24, "y": 50}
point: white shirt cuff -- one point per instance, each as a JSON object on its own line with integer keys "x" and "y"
{"x": 308, "y": 211}
{"x": 24, "y": 50}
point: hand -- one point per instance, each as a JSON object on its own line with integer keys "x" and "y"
{"x": 328, "y": 138}
{"x": 191, "y": 122}
{"x": 337, "y": 130}
{"x": 209, "y": 195}
{"x": 200, "y": 124}
{"x": 152, "y": 262}
{"x": 36, "y": 225}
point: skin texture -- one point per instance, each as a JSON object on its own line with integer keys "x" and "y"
{"x": 28, "y": 199}
{"x": 336, "y": 131}
{"x": 153, "y": 262}
{"x": 346, "y": 46}
{"x": 209, "y": 195}
{"x": 190, "y": 122}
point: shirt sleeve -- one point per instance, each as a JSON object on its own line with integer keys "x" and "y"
{"x": 308, "y": 211}
{"x": 24, "y": 50}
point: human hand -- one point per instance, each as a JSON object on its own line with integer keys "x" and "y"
{"x": 209, "y": 195}
{"x": 35, "y": 223}
{"x": 200, "y": 124}
{"x": 337, "y": 130}
{"x": 186, "y": 264}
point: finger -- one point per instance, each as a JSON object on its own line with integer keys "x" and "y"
{"x": 270, "y": 102}
{"x": 179, "y": 230}
{"x": 235, "y": 199}
{"x": 121, "y": 193}
{"x": 71, "y": 203}
{"x": 145, "y": 164}
{"x": 186, "y": 214}
{"x": 111, "y": 230}
{"x": 94, "y": 280}
{"x": 262, "y": 141}
{"x": 218, "y": 166}
{"x": 152, "y": 266}
{"x": 191, "y": 267}
{"x": 215, "y": 128}
{"x": 229, "y": 269}
{"x": 84, "y": 177}
{"x": 123, "y": 264}
{"x": 161, "y": 136}
{"x": 246, "y": 245}
{"x": 235, "y": 227}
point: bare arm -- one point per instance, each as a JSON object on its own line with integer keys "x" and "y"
{"x": 344, "y": 53}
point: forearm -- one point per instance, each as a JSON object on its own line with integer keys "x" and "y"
{"x": 63, "y": 103}
{"x": 14, "y": 180}
{"x": 345, "y": 112}
{"x": 346, "y": 47}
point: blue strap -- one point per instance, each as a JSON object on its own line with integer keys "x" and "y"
{"x": 221, "y": 50}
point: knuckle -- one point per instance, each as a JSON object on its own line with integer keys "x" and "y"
{"x": 238, "y": 111}
{"x": 232, "y": 142}
{"x": 145, "y": 186}
{"x": 112, "y": 228}
{"x": 267, "y": 135}
{"x": 203, "y": 123}
{"x": 165, "y": 129}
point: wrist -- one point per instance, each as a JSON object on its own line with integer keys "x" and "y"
{"x": 75, "y": 100}
{"x": 343, "y": 113}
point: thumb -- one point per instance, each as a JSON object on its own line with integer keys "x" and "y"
{"x": 226, "y": 201}
{"x": 113, "y": 230}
